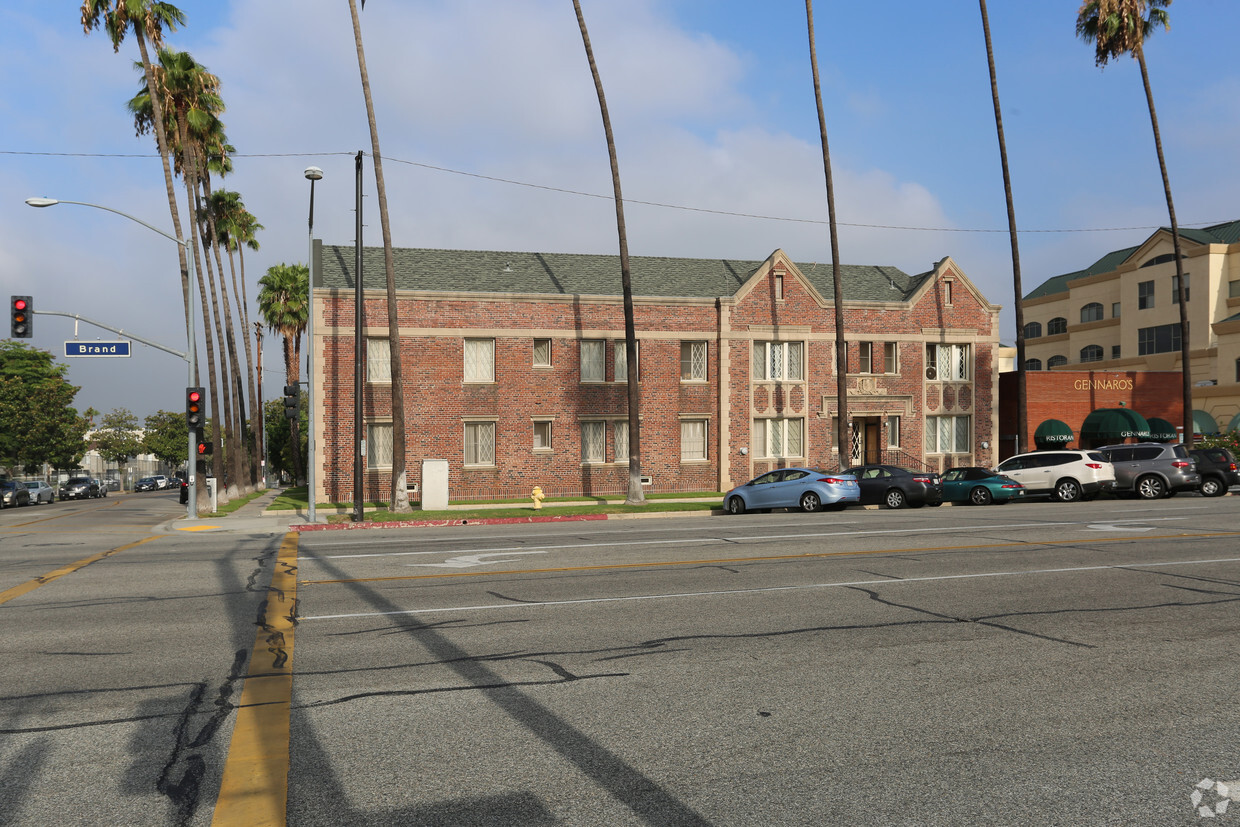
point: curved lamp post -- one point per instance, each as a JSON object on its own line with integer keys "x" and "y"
{"x": 191, "y": 448}
{"x": 312, "y": 174}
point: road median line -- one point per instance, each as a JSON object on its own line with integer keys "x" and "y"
{"x": 18, "y": 591}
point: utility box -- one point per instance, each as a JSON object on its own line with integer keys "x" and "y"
{"x": 434, "y": 484}
{"x": 211, "y": 497}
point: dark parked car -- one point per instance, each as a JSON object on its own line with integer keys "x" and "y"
{"x": 1218, "y": 470}
{"x": 895, "y": 487}
{"x": 1152, "y": 470}
{"x": 980, "y": 486}
{"x": 808, "y": 489}
{"x": 145, "y": 484}
{"x": 40, "y": 492}
{"x": 13, "y": 493}
{"x": 80, "y": 488}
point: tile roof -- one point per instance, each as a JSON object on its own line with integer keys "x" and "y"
{"x": 1226, "y": 233}
{"x": 489, "y": 271}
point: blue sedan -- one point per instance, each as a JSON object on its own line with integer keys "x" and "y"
{"x": 980, "y": 486}
{"x": 809, "y": 489}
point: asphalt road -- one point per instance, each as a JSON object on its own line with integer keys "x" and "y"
{"x": 1037, "y": 663}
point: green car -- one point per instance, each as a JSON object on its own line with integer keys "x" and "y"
{"x": 980, "y": 486}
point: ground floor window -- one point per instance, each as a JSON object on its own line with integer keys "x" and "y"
{"x": 479, "y": 443}
{"x": 593, "y": 442}
{"x": 692, "y": 439}
{"x": 620, "y": 438}
{"x": 949, "y": 434}
{"x": 893, "y": 432}
{"x": 379, "y": 445}
{"x": 542, "y": 435}
{"x": 779, "y": 437}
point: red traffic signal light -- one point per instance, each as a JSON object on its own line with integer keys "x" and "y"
{"x": 20, "y": 312}
{"x": 193, "y": 408}
{"x": 205, "y": 448}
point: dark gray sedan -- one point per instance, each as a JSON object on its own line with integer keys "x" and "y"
{"x": 896, "y": 487}
{"x": 13, "y": 493}
{"x": 79, "y": 488}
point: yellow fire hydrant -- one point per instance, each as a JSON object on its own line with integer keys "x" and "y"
{"x": 537, "y": 496}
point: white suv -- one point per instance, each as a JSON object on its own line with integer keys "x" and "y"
{"x": 1063, "y": 475}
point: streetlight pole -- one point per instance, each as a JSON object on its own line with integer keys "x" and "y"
{"x": 312, "y": 174}
{"x": 191, "y": 449}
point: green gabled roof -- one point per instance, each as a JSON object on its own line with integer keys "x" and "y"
{"x": 491, "y": 271}
{"x": 1226, "y": 233}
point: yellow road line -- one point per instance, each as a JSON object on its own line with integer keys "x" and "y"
{"x": 254, "y": 789}
{"x": 767, "y": 558}
{"x": 18, "y": 591}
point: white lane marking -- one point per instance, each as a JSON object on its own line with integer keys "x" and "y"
{"x": 1113, "y": 527}
{"x": 466, "y": 561}
{"x": 737, "y": 539}
{"x": 841, "y": 584}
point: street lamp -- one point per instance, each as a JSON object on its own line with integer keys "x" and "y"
{"x": 312, "y": 174}
{"x": 190, "y": 448}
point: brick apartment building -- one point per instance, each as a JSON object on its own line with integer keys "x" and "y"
{"x": 514, "y": 369}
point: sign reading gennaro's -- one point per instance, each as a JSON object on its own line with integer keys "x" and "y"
{"x": 1102, "y": 384}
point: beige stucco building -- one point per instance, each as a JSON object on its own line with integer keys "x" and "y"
{"x": 1121, "y": 313}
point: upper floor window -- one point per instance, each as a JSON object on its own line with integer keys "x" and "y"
{"x": 1145, "y": 295}
{"x": 779, "y": 287}
{"x": 1033, "y": 364}
{"x": 876, "y": 357}
{"x": 1233, "y": 289}
{"x": 1115, "y": 309}
{"x": 479, "y": 360}
{"x": 947, "y": 362}
{"x": 1164, "y": 338}
{"x": 542, "y": 353}
{"x": 779, "y": 360}
{"x": 1091, "y": 353}
{"x": 1091, "y": 312}
{"x": 1175, "y": 288}
{"x": 1033, "y": 330}
{"x": 378, "y": 360}
{"x": 593, "y": 353}
{"x": 1056, "y": 326}
{"x": 622, "y": 361}
{"x": 1056, "y": 361}
{"x": 693, "y": 361}
{"x": 947, "y": 291}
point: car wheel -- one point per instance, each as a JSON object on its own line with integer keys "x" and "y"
{"x": 1211, "y": 487}
{"x": 810, "y": 502}
{"x": 1067, "y": 491}
{"x": 980, "y": 496}
{"x": 895, "y": 498}
{"x": 736, "y": 505}
{"x": 1151, "y": 488}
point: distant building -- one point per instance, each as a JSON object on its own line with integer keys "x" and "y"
{"x": 514, "y": 370}
{"x": 1121, "y": 314}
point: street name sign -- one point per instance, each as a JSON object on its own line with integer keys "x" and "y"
{"x": 97, "y": 348}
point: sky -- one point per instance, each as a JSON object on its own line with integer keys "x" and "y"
{"x": 492, "y": 140}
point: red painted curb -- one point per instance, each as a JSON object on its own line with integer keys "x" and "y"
{"x": 436, "y": 523}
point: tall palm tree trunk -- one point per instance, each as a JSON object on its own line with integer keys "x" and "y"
{"x": 255, "y": 425}
{"x": 1022, "y": 409}
{"x": 400, "y": 491}
{"x": 841, "y": 347}
{"x": 636, "y": 495}
{"x": 1181, "y": 294}
{"x": 292, "y": 374}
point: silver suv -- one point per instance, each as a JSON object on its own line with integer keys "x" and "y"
{"x": 1152, "y": 469}
{"x": 1063, "y": 475}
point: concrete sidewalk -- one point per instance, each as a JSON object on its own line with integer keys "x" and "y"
{"x": 251, "y": 518}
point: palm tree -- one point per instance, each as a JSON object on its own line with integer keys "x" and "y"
{"x": 148, "y": 19}
{"x": 1022, "y": 408}
{"x": 400, "y": 493}
{"x": 1118, "y": 27}
{"x": 284, "y": 303}
{"x": 636, "y": 495}
{"x": 841, "y": 347}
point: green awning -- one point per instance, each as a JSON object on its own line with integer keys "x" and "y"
{"x": 1161, "y": 430}
{"x": 1203, "y": 423}
{"x": 1053, "y": 434}
{"x": 1114, "y": 425}
{"x": 1234, "y": 425}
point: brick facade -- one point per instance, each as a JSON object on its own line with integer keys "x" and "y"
{"x": 777, "y": 303}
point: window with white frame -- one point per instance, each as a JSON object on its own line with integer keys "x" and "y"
{"x": 890, "y": 360}
{"x": 779, "y": 360}
{"x": 479, "y": 360}
{"x": 948, "y": 434}
{"x": 779, "y": 287}
{"x": 620, "y": 440}
{"x": 542, "y": 353}
{"x": 378, "y": 360}
{"x": 692, "y": 439}
{"x": 877, "y": 358}
{"x": 693, "y": 361}
{"x": 865, "y": 351}
{"x": 593, "y": 442}
{"x": 593, "y": 353}
{"x": 950, "y": 362}
{"x": 479, "y": 443}
{"x": 378, "y": 445}
{"x": 622, "y": 361}
{"x": 542, "y": 435}
{"x": 779, "y": 437}
{"x": 947, "y": 291}
{"x": 893, "y": 432}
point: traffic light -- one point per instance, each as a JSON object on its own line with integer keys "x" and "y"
{"x": 292, "y": 401}
{"x": 205, "y": 449}
{"x": 21, "y": 313}
{"x": 193, "y": 408}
